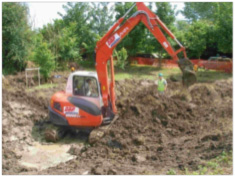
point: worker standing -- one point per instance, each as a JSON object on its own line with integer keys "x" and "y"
{"x": 161, "y": 84}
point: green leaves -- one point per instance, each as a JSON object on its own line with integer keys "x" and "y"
{"x": 16, "y": 35}
{"x": 67, "y": 44}
{"x": 196, "y": 37}
{"x": 44, "y": 58}
{"x": 219, "y": 15}
{"x": 207, "y": 31}
{"x": 121, "y": 58}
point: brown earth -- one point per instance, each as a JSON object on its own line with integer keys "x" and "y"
{"x": 154, "y": 133}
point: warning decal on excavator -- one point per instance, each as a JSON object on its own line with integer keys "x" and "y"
{"x": 113, "y": 40}
{"x": 71, "y": 111}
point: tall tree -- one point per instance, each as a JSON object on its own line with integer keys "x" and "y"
{"x": 43, "y": 57}
{"x": 16, "y": 35}
{"x": 225, "y": 27}
{"x": 80, "y": 14}
{"x": 101, "y": 17}
{"x": 167, "y": 15}
{"x": 220, "y": 14}
{"x": 200, "y": 10}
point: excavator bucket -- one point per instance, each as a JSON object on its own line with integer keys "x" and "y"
{"x": 189, "y": 76}
{"x": 99, "y": 132}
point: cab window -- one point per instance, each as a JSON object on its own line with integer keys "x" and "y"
{"x": 85, "y": 86}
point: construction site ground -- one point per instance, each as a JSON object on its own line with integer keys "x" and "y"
{"x": 185, "y": 131}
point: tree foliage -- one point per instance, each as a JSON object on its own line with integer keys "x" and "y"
{"x": 122, "y": 57}
{"x": 218, "y": 13}
{"x": 166, "y": 13}
{"x": 67, "y": 44}
{"x": 44, "y": 58}
{"x": 16, "y": 36}
{"x": 206, "y": 32}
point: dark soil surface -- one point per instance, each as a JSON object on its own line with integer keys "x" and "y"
{"x": 154, "y": 133}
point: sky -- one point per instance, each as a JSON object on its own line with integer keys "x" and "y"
{"x": 42, "y": 13}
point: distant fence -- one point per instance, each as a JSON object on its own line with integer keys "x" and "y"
{"x": 169, "y": 63}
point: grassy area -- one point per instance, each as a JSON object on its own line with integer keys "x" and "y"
{"x": 151, "y": 72}
{"x": 144, "y": 72}
{"x": 43, "y": 86}
{"x": 223, "y": 164}
{"x": 212, "y": 75}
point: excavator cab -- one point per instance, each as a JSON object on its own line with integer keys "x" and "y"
{"x": 86, "y": 86}
{"x": 80, "y": 104}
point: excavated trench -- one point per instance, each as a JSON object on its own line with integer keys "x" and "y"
{"x": 154, "y": 133}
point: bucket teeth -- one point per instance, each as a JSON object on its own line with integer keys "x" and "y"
{"x": 106, "y": 120}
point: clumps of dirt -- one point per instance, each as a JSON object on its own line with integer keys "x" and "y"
{"x": 204, "y": 94}
{"x": 19, "y": 113}
{"x": 154, "y": 133}
{"x": 176, "y": 130}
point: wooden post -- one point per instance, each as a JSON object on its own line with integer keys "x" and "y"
{"x": 39, "y": 76}
{"x": 26, "y": 75}
{"x": 26, "y": 78}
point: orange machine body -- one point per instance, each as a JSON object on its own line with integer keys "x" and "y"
{"x": 69, "y": 109}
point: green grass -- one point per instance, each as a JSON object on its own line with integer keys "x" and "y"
{"x": 151, "y": 72}
{"x": 171, "y": 172}
{"x": 144, "y": 72}
{"x": 212, "y": 75}
{"x": 43, "y": 86}
{"x": 220, "y": 165}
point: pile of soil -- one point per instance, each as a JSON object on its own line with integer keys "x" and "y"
{"x": 20, "y": 111}
{"x": 154, "y": 133}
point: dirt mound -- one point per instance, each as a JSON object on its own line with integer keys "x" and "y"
{"x": 19, "y": 113}
{"x": 204, "y": 94}
{"x": 163, "y": 132}
{"x": 154, "y": 133}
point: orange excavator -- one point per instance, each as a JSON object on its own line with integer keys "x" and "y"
{"x": 89, "y": 98}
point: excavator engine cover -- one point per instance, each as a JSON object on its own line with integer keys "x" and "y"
{"x": 189, "y": 76}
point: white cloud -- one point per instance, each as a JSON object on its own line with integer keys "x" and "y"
{"x": 43, "y": 13}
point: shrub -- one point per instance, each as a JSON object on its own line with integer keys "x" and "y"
{"x": 44, "y": 59}
{"x": 122, "y": 61}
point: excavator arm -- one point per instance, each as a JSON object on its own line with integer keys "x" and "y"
{"x": 115, "y": 35}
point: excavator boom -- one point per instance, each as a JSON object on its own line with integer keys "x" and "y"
{"x": 115, "y": 35}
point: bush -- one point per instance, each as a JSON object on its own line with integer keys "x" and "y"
{"x": 44, "y": 59}
{"x": 16, "y": 36}
{"x": 122, "y": 61}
